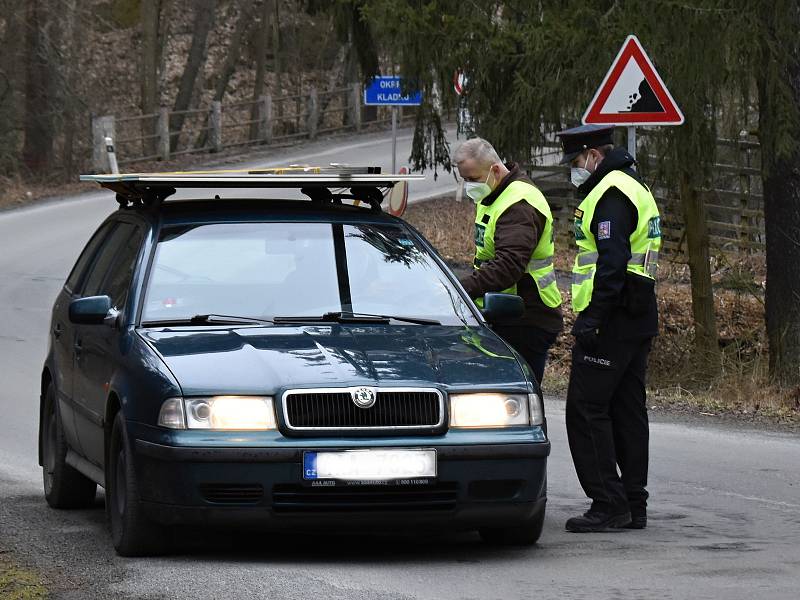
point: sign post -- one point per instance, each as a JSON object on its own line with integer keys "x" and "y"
{"x": 388, "y": 91}
{"x": 394, "y": 139}
{"x": 632, "y": 93}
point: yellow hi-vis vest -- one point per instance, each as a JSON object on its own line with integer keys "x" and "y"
{"x": 645, "y": 240}
{"x": 540, "y": 265}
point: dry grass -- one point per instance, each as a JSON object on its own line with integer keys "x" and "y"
{"x": 15, "y": 192}
{"x": 19, "y": 584}
{"x": 743, "y": 387}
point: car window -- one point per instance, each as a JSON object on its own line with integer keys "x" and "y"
{"x": 118, "y": 281}
{"x": 76, "y": 275}
{"x": 266, "y": 270}
{"x": 105, "y": 259}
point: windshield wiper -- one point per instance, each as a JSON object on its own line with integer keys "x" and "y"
{"x": 209, "y": 319}
{"x": 351, "y": 317}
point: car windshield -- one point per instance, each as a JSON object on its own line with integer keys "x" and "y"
{"x": 268, "y": 270}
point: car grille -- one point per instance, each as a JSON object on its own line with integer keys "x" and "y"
{"x": 288, "y": 498}
{"x": 315, "y": 410}
{"x": 232, "y": 493}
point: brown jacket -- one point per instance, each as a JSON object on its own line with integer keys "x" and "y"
{"x": 516, "y": 235}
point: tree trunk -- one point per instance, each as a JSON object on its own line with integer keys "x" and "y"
{"x": 37, "y": 152}
{"x": 10, "y": 86}
{"x": 234, "y": 49}
{"x": 74, "y": 37}
{"x": 203, "y": 23}
{"x": 781, "y": 179}
{"x": 262, "y": 33}
{"x": 707, "y": 358}
{"x": 231, "y": 58}
{"x": 277, "y": 63}
{"x": 150, "y": 14}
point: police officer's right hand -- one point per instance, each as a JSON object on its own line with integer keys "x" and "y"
{"x": 587, "y": 333}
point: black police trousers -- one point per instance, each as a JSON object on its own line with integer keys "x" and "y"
{"x": 531, "y": 342}
{"x": 607, "y": 424}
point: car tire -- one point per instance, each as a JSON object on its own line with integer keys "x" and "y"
{"x": 64, "y": 487}
{"x": 132, "y": 533}
{"x": 525, "y": 533}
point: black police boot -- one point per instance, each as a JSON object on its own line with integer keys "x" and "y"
{"x": 638, "y": 519}
{"x": 597, "y": 520}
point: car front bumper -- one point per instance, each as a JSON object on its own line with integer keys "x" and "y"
{"x": 484, "y": 479}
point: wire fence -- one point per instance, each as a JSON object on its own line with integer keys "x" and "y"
{"x": 733, "y": 201}
{"x": 263, "y": 121}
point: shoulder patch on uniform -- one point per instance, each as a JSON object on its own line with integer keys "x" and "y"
{"x": 578, "y": 213}
{"x": 604, "y": 230}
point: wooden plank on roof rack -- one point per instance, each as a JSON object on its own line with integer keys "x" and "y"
{"x": 279, "y": 178}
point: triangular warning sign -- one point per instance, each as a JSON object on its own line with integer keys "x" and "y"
{"x": 632, "y": 92}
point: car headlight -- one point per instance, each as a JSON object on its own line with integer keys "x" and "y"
{"x": 495, "y": 410}
{"x": 218, "y": 412}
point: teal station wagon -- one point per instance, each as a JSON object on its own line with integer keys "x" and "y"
{"x": 303, "y": 365}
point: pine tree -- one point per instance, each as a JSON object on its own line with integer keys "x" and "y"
{"x": 534, "y": 66}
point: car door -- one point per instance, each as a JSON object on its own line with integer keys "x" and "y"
{"x": 97, "y": 347}
{"x": 62, "y": 334}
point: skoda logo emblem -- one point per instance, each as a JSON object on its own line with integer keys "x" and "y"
{"x": 363, "y": 397}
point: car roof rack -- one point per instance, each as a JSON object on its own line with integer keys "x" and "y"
{"x": 324, "y": 185}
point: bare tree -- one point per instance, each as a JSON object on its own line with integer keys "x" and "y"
{"x": 150, "y": 12}
{"x": 198, "y": 51}
{"x": 262, "y": 33}
{"x": 37, "y": 152}
{"x": 231, "y": 57}
{"x": 707, "y": 356}
{"x": 12, "y": 15}
{"x": 234, "y": 48}
{"x": 778, "y": 82}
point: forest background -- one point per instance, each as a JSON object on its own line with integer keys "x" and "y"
{"x": 730, "y": 312}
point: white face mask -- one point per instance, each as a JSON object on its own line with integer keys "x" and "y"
{"x": 579, "y": 175}
{"x": 478, "y": 191}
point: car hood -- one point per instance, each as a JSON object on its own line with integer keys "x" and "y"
{"x": 267, "y": 360}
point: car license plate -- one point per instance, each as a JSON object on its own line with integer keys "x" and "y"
{"x": 402, "y": 467}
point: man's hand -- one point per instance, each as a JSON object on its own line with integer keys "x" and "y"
{"x": 587, "y": 332}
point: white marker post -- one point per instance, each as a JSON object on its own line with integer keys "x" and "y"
{"x": 112, "y": 156}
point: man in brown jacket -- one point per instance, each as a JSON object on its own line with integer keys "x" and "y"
{"x": 513, "y": 239}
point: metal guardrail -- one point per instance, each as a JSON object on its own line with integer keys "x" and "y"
{"x": 267, "y": 120}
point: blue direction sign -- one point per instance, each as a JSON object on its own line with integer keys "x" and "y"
{"x": 388, "y": 91}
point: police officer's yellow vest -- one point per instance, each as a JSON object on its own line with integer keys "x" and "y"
{"x": 540, "y": 265}
{"x": 645, "y": 240}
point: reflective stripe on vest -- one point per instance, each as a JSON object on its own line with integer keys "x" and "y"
{"x": 645, "y": 240}
{"x": 540, "y": 266}
{"x": 590, "y": 258}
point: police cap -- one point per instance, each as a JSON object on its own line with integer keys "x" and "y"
{"x": 577, "y": 139}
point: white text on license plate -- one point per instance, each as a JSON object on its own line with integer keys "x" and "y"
{"x": 369, "y": 465}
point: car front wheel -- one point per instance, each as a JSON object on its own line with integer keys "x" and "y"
{"x": 132, "y": 533}
{"x": 64, "y": 487}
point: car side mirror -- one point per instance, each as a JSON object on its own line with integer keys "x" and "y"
{"x": 92, "y": 310}
{"x": 502, "y": 306}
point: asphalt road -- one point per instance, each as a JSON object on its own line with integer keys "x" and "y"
{"x": 724, "y": 519}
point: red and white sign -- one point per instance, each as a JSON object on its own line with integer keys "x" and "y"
{"x": 632, "y": 92}
{"x": 459, "y": 81}
{"x": 398, "y": 196}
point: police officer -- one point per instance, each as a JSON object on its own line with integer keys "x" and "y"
{"x": 617, "y": 230}
{"x": 513, "y": 249}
